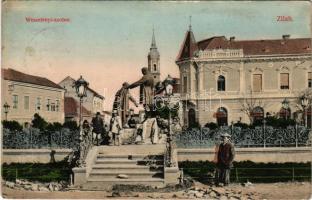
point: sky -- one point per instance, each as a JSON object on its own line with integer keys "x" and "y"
{"x": 108, "y": 42}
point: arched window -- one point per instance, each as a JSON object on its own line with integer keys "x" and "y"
{"x": 155, "y": 67}
{"x": 257, "y": 114}
{"x": 221, "y": 83}
{"x": 222, "y": 116}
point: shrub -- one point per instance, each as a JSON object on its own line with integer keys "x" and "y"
{"x": 12, "y": 125}
{"x": 39, "y": 122}
{"x": 212, "y": 125}
{"x": 71, "y": 125}
{"x": 55, "y": 126}
{"x": 241, "y": 125}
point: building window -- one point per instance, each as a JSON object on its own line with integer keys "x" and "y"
{"x": 257, "y": 82}
{"x": 284, "y": 81}
{"x": 257, "y": 114}
{"x": 26, "y": 102}
{"x": 48, "y": 104}
{"x": 57, "y": 107}
{"x": 310, "y": 79}
{"x": 221, "y": 83}
{"x": 38, "y": 103}
{"x": 184, "y": 84}
{"x": 222, "y": 116}
{"x": 155, "y": 67}
{"x": 15, "y": 101}
{"x": 53, "y": 107}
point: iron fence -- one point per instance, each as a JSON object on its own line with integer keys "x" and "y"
{"x": 265, "y": 136}
{"x": 36, "y": 139}
{"x": 253, "y": 174}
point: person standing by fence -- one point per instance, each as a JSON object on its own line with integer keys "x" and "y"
{"x": 225, "y": 156}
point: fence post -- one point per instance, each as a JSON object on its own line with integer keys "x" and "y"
{"x": 296, "y": 135}
{"x": 293, "y": 174}
{"x": 16, "y": 174}
{"x": 236, "y": 174}
{"x": 264, "y": 142}
{"x": 201, "y": 136}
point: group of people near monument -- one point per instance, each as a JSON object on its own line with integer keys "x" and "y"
{"x": 122, "y": 117}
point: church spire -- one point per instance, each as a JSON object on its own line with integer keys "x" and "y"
{"x": 153, "y": 45}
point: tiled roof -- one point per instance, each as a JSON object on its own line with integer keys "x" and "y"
{"x": 13, "y": 75}
{"x": 285, "y": 45}
{"x": 91, "y": 90}
{"x": 260, "y": 47}
{"x": 71, "y": 107}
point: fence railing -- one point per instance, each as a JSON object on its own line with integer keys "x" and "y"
{"x": 34, "y": 138}
{"x": 265, "y": 136}
{"x": 253, "y": 174}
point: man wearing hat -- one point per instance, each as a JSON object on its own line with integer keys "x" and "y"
{"x": 98, "y": 128}
{"x": 225, "y": 157}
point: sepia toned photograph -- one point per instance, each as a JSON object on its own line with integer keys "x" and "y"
{"x": 156, "y": 100}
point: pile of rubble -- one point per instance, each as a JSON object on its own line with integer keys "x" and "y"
{"x": 36, "y": 186}
{"x": 222, "y": 193}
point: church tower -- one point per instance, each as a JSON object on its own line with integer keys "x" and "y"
{"x": 153, "y": 60}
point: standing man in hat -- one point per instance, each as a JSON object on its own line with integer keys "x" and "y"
{"x": 225, "y": 157}
{"x": 98, "y": 129}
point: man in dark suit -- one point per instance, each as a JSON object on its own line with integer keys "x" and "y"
{"x": 98, "y": 129}
{"x": 225, "y": 157}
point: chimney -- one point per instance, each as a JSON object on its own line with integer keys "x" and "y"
{"x": 232, "y": 39}
{"x": 286, "y": 37}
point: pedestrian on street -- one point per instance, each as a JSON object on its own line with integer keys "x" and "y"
{"x": 98, "y": 128}
{"x": 115, "y": 127}
{"x": 225, "y": 157}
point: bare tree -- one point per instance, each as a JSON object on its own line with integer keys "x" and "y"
{"x": 249, "y": 103}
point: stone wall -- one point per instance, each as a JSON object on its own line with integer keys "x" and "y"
{"x": 265, "y": 155}
{"x": 32, "y": 155}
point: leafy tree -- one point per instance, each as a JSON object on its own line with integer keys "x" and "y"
{"x": 55, "y": 126}
{"x": 12, "y": 125}
{"x": 71, "y": 125}
{"x": 212, "y": 125}
{"x": 39, "y": 122}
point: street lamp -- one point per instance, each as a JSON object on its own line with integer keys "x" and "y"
{"x": 169, "y": 91}
{"x": 81, "y": 86}
{"x": 6, "y": 107}
{"x": 304, "y": 104}
{"x": 285, "y": 105}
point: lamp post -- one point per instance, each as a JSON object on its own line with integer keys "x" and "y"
{"x": 285, "y": 105}
{"x": 6, "y": 107}
{"x": 81, "y": 90}
{"x": 304, "y": 104}
{"x": 168, "y": 92}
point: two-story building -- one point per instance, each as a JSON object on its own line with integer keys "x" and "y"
{"x": 27, "y": 94}
{"x": 92, "y": 104}
{"x": 221, "y": 78}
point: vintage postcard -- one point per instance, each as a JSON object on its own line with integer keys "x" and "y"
{"x": 156, "y": 100}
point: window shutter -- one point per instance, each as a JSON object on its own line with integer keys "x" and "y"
{"x": 257, "y": 82}
{"x": 284, "y": 80}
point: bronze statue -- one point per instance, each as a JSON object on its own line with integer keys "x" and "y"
{"x": 146, "y": 84}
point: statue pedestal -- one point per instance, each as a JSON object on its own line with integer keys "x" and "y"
{"x": 80, "y": 175}
{"x": 171, "y": 175}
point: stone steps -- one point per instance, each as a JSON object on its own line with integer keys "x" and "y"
{"x": 130, "y": 175}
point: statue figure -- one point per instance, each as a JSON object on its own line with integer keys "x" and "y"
{"x": 121, "y": 102}
{"x": 146, "y": 84}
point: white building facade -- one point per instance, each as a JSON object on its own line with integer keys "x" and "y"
{"x": 220, "y": 76}
{"x": 27, "y": 94}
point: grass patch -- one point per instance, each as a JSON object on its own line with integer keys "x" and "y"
{"x": 203, "y": 171}
{"x": 58, "y": 171}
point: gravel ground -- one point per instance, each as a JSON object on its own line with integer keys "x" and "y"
{"x": 235, "y": 191}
